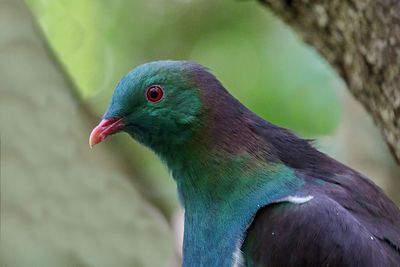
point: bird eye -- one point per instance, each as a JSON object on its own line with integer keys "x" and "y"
{"x": 154, "y": 93}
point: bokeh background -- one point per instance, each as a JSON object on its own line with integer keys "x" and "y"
{"x": 64, "y": 205}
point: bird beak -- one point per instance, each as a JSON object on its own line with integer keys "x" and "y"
{"x": 105, "y": 128}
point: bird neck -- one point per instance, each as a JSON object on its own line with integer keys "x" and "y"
{"x": 221, "y": 193}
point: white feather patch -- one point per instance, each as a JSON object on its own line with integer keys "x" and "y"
{"x": 296, "y": 199}
{"x": 238, "y": 256}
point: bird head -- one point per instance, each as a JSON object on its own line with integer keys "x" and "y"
{"x": 158, "y": 104}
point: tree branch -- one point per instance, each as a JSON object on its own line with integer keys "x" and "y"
{"x": 361, "y": 40}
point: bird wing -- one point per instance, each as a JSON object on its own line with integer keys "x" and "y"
{"x": 365, "y": 232}
{"x": 320, "y": 232}
{"x": 349, "y": 222}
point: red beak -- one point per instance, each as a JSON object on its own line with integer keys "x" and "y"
{"x": 104, "y": 129}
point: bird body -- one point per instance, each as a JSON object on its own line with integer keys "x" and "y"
{"x": 254, "y": 194}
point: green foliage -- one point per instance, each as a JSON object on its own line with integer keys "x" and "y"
{"x": 70, "y": 28}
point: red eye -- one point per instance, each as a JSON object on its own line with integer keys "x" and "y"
{"x": 154, "y": 93}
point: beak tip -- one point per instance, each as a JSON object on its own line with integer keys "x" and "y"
{"x": 95, "y": 138}
{"x": 105, "y": 128}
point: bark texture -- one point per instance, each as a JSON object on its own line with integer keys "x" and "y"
{"x": 361, "y": 40}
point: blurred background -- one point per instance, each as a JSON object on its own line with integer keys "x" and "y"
{"x": 116, "y": 205}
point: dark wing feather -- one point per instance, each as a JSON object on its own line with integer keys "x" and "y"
{"x": 367, "y": 203}
{"x": 318, "y": 233}
{"x": 313, "y": 234}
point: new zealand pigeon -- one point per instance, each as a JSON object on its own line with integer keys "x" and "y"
{"x": 254, "y": 194}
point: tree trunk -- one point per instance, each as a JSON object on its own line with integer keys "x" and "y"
{"x": 361, "y": 40}
{"x": 61, "y": 203}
